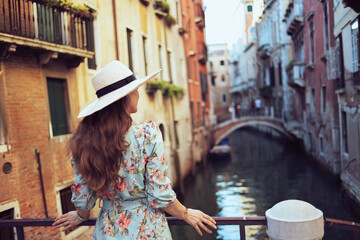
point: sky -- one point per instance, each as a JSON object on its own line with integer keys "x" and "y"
{"x": 223, "y": 21}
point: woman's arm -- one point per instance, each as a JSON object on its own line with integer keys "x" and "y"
{"x": 71, "y": 219}
{"x": 193, "y": 217}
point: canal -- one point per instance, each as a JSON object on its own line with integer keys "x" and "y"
{"x": 262, "y": 171}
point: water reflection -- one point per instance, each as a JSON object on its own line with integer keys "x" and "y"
{"x": 261, "y": 172}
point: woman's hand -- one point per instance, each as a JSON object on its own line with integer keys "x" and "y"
{"x": 68, "y": 220}
{"x": 197, "y": 218}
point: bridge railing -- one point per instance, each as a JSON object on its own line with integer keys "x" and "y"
{"x": 242, "y": 222}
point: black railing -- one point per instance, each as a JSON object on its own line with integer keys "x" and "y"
{"x": 242, "y": 222}
{"x": 35, "y": 20}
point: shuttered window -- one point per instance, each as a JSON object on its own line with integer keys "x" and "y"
{"x": 66, "y": 204}
{"x": 57, "y": 103}
{"x": 90, "y": 38}
{"x": 8, "y": 232}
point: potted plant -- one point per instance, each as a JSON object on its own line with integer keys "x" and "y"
{"x": 182, "y": 30}
{"x": 145, "y": 2}
{"x": 153, "y": 85}
{"x": 81, "y": 11}
{"x": 170, "y": 20}
{"x": 162, "y": 6}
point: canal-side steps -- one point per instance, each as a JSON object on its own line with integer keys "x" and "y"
{"x": 286, "y": 220}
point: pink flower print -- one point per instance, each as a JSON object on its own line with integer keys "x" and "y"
{"x": 162, "y": 159}
{"x": 144, "y": 160}
{"x": 76, "y": 188}
{"x": 148, "y": 235}
{"x": 123, "y": 222}
{"x": 160, "y": 176}
{"x": 122, "y": 186}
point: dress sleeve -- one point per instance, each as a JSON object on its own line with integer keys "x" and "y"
{"x": 157, "y": 184}
{"x": 82, "y": 197}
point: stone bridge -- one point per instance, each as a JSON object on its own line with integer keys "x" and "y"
{"x": 225, "y": 128}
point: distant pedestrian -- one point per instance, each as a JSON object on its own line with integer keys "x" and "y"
{"x": 122, "y": 163}
{"x": 258, "y": 105}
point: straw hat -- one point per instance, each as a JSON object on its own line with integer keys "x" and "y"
{"x": 111, "y": 83}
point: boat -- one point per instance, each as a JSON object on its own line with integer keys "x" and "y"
{"x": 222, "y": 149}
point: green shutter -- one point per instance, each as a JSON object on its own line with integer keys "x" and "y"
{"x": 57, "y": 106}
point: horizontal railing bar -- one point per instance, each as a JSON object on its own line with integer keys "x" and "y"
{"x": 246, "y": 221}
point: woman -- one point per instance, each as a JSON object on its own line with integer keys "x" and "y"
{"x": 122, "y": 163}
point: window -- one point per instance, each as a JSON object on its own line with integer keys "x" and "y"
{"x": 340, "y": 83}
{"x": 195, "y": 71}
{"x": 7, "y": 233}
{"x": 58, "y": 102}
{"x": 90, "y": 39}
{"x": 145, "y": 58}
{"x": 344, "y": 130}
{"x": 321, "y": 143}
{"x": 188, "y": 67}
{"x": 222, "y": 62}
{"x": 204, "y": 86}
{"x": 326, "y": 26}
{"x": 223, "y": 77}
{"x": 311, "y": 40}
{"x": 199, "y": 111}
{"x": 66, "y": 204}
{"x": 162, "y": 130}
{"x": 249, "y": 8}
{"x": 192, "y": 113}
{"x": 224, "y": 98}
{"x": 129, "y": 42}
{"x": 160, "y": 62}
{"x": 313, "y": 99}
{"x": 280, "y": 75}
{"x": 354, "y": 43}
{"x": 169, "y": 65}
{"x": 323, "y": 99}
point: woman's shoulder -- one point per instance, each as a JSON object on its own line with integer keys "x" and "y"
{"x": 144, "y": 129}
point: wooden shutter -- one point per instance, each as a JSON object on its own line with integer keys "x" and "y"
{"x": 56, "y": 92}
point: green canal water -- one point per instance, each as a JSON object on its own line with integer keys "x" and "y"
{"x": 262, "y": 171}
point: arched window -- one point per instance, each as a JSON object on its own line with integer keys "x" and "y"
{"x": 162, "y": 129}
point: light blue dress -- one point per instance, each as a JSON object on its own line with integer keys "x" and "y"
{"x": 131, "y": 207}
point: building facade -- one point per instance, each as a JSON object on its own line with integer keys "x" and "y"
{"x": 193, "y": 24}
{"x": 219, "y": 82}
{"x": 347, "y": 86}
{"x": 47, "y": 60}
{"x": 273, "y": 54}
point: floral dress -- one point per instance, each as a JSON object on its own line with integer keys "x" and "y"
{"x": 131, "y": 207}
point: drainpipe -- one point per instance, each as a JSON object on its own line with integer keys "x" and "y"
{"x": 115, "y": 30}
{"x": 175, "y": 153}
{"x": 41, "y": 181}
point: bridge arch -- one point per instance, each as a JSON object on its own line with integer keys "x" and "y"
{"x": 224, "y": 129}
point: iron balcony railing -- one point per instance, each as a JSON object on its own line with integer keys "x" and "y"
{"x": 242, "y": 222}
{"x": 35, "y": 20}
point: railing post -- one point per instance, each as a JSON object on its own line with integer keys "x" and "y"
{"x": 20, "y": 233}
{"x": 294, "y": 219}
{"x": 242, "y": 232}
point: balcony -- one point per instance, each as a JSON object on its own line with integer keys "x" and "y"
{"x": 356, "y": 78}
{"x": 199, "y": 16}
{"x": 354, "y": 4}
{"x": 294, "y": 16}
{"x": 45, "y": 29}
{"x": 296, "y": 74}
{"x": 264, "y": 51}
{"x": 202, "y": 52}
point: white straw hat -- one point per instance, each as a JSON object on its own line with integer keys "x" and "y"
{"x": 111, "y": 83}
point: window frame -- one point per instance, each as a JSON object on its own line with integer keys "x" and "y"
{"x": 12, "y": 205}
{"x": 66, "y": 106}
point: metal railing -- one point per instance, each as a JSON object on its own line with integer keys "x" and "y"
{"x": 242, "y": 222}
{"x": 36, "y": 20}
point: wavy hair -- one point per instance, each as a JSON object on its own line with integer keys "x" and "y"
{"x": 98, "y": 143}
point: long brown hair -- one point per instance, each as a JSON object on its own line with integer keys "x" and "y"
{"x": 98, "y": 143}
